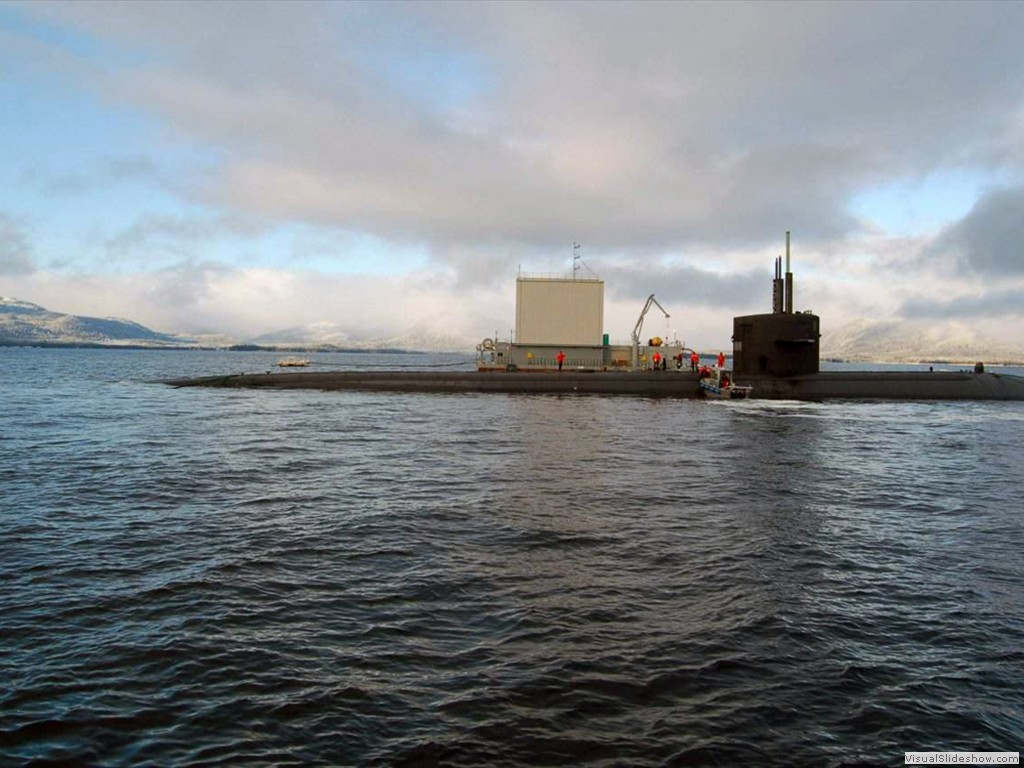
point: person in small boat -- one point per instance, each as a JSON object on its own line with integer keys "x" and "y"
{"x": 694, "y": 361}
{"x": 725, "y": 381}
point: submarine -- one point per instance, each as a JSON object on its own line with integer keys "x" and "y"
{"x": 775, "y": 357}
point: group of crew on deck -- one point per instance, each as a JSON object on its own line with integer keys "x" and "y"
{"x": 659, "y": 362}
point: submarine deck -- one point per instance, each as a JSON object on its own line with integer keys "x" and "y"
{"x": 872, "y": 385}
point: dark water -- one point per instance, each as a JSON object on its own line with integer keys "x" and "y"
{"x": 204, "y": 577}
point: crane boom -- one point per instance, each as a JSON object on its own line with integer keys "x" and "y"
{"x": 651, "y": 301}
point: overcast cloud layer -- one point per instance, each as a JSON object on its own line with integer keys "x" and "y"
{"x": 251, "y": 167}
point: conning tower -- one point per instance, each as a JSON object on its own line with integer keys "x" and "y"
{"x": 783, "y": 343}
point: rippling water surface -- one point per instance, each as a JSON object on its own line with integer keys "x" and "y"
{"x": 232, "y": 577}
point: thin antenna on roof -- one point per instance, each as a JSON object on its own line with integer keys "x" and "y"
{"x": 577, "y": 261}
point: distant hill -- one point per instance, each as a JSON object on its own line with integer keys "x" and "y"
{"x": 910, "y": 341}
{"x": 25, "y": 323}
{"x": 333, "y": 335}
{"x": 312, "y": 334}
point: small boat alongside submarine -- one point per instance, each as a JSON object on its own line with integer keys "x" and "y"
{"x": 717, "y": 384}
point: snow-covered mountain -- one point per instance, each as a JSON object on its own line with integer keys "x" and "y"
{"x": 25, "y": 323}
{"x": 313, "y": 334}
{"x": 901, "y": 341}
{"x": 332, "y": 334}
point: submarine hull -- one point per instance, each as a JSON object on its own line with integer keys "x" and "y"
{"x": 826, "y": 385}
{"x": 889, "y": 385}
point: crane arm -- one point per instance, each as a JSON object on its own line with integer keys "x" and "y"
{"x": 655, "y": 302}
{"x": 640, "y": 322}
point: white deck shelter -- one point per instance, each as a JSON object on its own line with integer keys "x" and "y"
{"x": 559, "y": 311}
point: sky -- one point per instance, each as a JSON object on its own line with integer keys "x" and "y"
{"x": 389, "y": 168}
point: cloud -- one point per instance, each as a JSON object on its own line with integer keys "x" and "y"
{"x": 688, "y": 286}
{"x": 195, "y": 298}
{"x": 629, "y": 124}
{"x": 1000, "y": 302}
{"x": 102, "y": 173}
{"x": 15, "y": 249}
{"x": 988, "y": 241}
{"x": 491, "y": 135}
{"x": 176, "y": 237}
